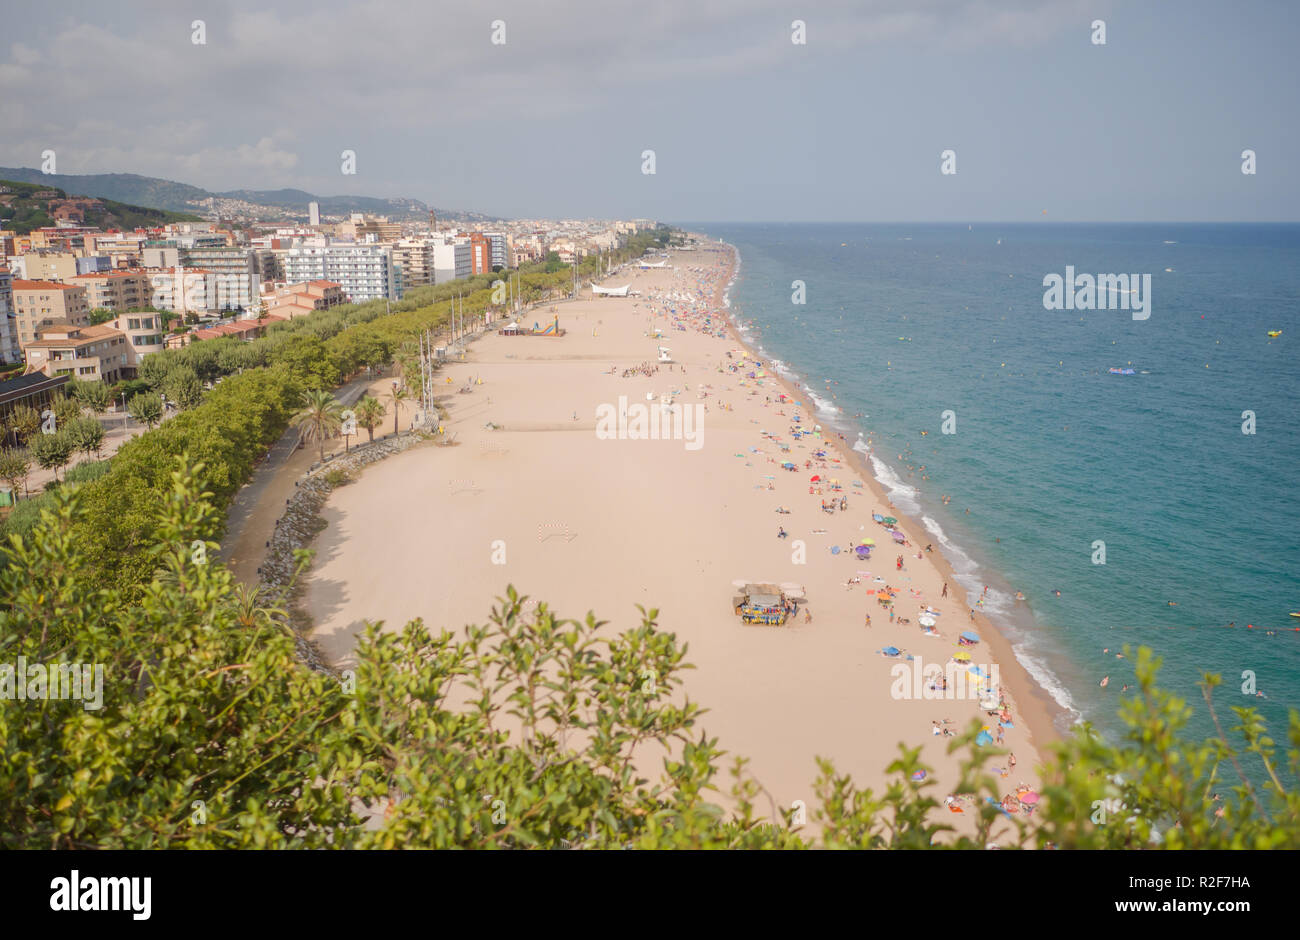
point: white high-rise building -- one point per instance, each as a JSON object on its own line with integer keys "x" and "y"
{"x": 313, "y": 213}
{"x": 452, "y": 260}
{"x": 365, "y": 272}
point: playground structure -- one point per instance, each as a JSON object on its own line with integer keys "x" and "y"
{"x": 517, "y": 329}
{"x": 546, "y": 530}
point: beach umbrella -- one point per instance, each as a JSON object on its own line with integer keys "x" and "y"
{"x": 972, "y": 637}
{"x": 863, "y": 551}
{"x": 868, "y": 541}
{"x": 889, "y": 520}
{"x": 815, "y": 478}
{"x": 983, "y": 738}
{"x": 877, "y": 517}
{"x": 835, "y": 549}
{"x": 1029, "y": 798}
{"x": 898, "y": 537}
{"x": 890, "y": 651}
{"x": 961, "y": 656}
{"x": 926, "y": 621}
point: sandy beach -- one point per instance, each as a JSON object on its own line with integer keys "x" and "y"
{"x": 594, "y": 521}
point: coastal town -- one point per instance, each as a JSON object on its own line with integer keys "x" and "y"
{"x": 84, "y": 305}
{"x": 568, "y": 427}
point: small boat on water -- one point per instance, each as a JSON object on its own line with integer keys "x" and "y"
{"x": 1274, "y": 332}
{"x": 1121, "y": 372}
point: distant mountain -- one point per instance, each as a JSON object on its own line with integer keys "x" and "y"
{"x": 181, "y": 197}
{"x": 25, "y": 207}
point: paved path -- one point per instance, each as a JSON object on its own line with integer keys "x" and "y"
{"x": 259, "y": 504}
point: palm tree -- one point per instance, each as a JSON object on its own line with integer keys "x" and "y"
{"x": 398, "y": 396}
{"x": 369, "y": 413}
{"x": 321, "y": 416}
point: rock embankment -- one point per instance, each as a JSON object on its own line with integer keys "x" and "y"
{"x": 301, "y": 523}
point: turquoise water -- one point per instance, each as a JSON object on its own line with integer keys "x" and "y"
{"x": 1051, "y": 452}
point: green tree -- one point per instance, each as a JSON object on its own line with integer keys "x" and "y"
{"x": 24, "y": 421}
{"x": 101, "y": 315}
{"x": 93, "y": 395}
{"x": 146, "y": 407}
{"x": 66, "y": 409}
{"x": 52, "y": 451}
{"x": 320, "y": 417}
{"x": 370, "y": 411}
{"x": 153, "y": 370}
{"x": 15, "y": 465}
{"x": 182, "y": 386}
{"x": 212, "y": 733}
{"x": 85, "y": 435}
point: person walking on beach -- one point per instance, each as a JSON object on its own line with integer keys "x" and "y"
{"x": 945, "y": 589}
{"x": 781, "y": 532}
{"x": 1011, "y": 760}
{"x": 868, "y": 621}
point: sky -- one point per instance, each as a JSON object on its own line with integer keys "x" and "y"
{"x": 745, "y": 124}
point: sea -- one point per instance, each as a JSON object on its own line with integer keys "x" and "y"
{"x": 1127, "y": 508}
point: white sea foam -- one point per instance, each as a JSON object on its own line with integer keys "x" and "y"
{"x": 1001, "y": 605}
{"x": 1046, "y": 679}
{"x": 900, "y": 494}
{"x": 782, "y": 369}
{"x": 961, "y": 562}
{"x": 861, "y": 447}
{"x": 825, "y": 406}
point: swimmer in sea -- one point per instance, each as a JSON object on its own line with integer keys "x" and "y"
{"x": 1057, "y": 593}
{"x": 1105, "y": 682}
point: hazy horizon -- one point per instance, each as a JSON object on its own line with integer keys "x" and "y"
{"x": 745, "y": 124}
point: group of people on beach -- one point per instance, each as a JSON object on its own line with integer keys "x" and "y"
{"x": 646, "y": 369}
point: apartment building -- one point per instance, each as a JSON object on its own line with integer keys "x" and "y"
{"x": 183, "y": 290}
{"x": 364, "y": 272}
{"x": 500, "y": 249}
{"x": 87, "y": 353}
{"x": 451, "y": 260}
{"x": 10, "y": 351}
{"x": 415, "y": 255}
{"x": 38, "y": 303}
{"x": 144, "y": 335}
{"x": 117, "y": 290}
{"x": 480, "y": 247}
{"x": 234, "y": 272}
{"x": 123, "y": 249}
{"x": 44, "y": 266}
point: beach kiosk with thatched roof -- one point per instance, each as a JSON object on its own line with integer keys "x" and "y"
{"x": 765, "y": 603}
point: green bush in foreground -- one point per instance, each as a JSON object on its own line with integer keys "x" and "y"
{"x": 529, "y": 731}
